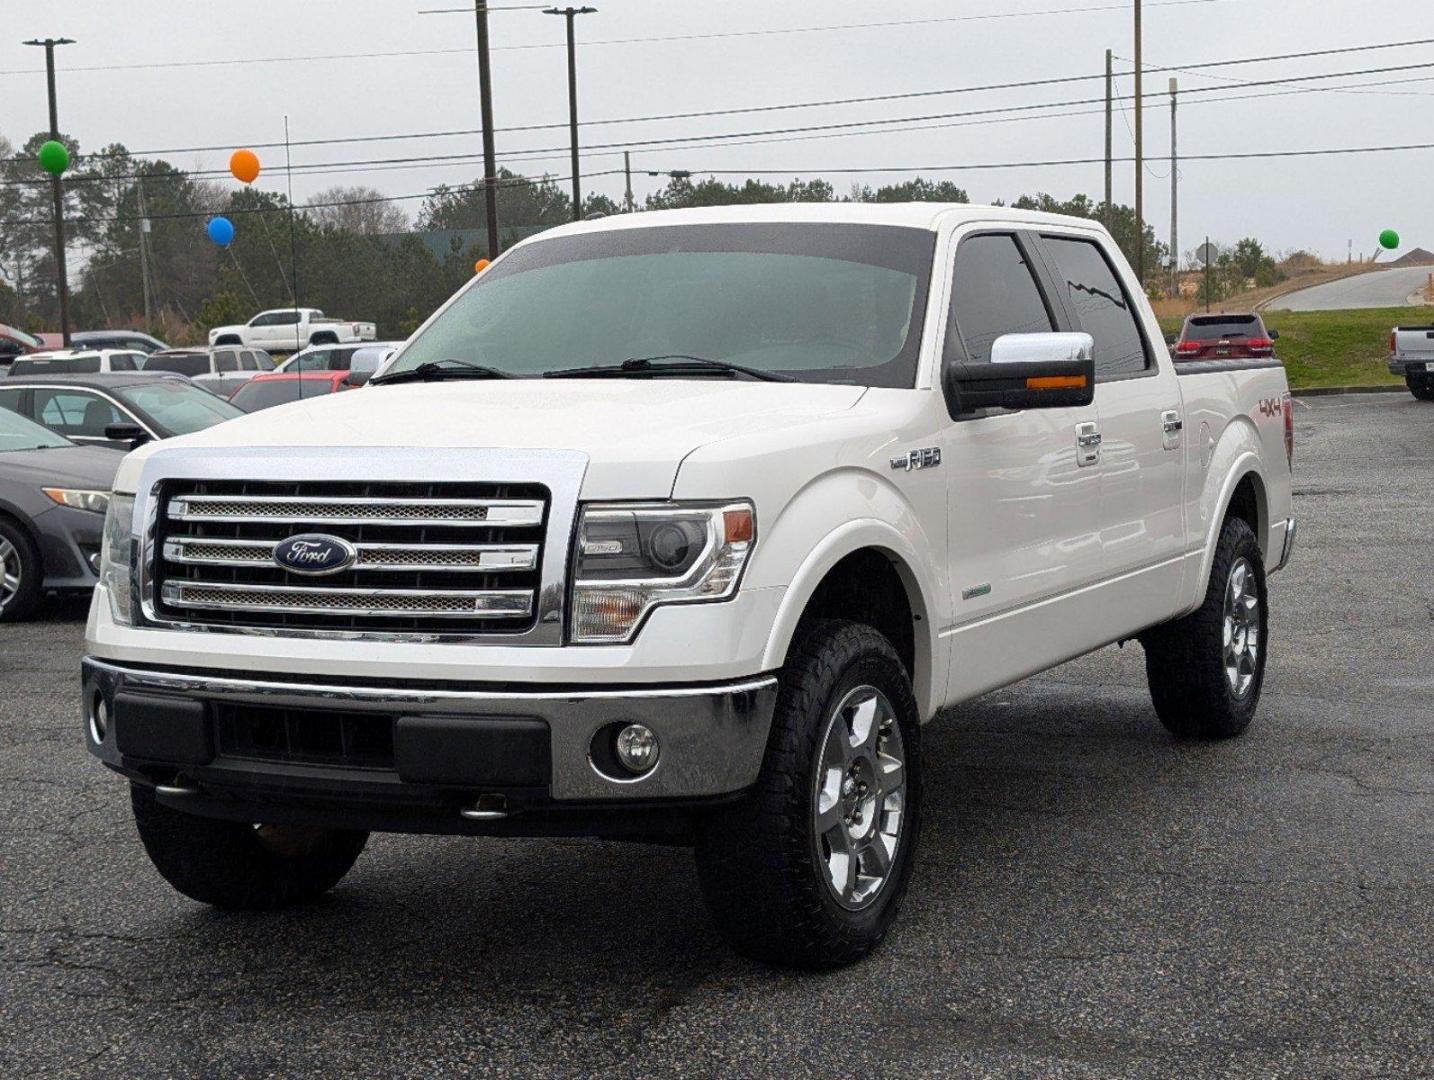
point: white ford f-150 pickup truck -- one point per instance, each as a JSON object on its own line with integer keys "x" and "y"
{"x": 292, "y": 329}
{"x": 679, "y": 526}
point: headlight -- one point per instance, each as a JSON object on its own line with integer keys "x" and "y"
{"x": 633, "y": 557}
{"x": 117, "y": 558}
{"x": 97, "y": 501}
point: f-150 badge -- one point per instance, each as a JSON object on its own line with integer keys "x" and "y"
{"x": 926, "y": 458}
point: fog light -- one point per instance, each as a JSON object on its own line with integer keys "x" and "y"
{"x": 637, "y": 748}
{"x": 99, "y": 720}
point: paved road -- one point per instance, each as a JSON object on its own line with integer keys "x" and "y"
{"x": 1376, "y": 289}
{"x": 1093, "y": 899}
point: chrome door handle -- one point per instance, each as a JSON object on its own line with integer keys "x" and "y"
{"x": 1089, "y": 438}
{"x": 1087, "y": 444}
{"x": 1172, "y": 423}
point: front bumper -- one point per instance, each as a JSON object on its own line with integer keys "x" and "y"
{"x": 70, "y": 542}
{"x": 412, "y": 756}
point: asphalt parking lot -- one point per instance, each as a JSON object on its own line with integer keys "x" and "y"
{"x": 1092, "y": 897}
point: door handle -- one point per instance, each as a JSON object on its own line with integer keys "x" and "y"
{"x": 1172, "y": 423}
{"x": 1088, "y": 441}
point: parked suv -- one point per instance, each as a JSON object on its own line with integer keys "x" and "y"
{"x": 1227, "y": 336}
{"x": 79, "y": 361}
{"x": 679, "y": 526}
{"x": 218, "y": 370}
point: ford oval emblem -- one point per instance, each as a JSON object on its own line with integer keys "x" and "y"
{"x": 315, "y": 554}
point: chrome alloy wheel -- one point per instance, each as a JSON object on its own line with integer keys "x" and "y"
{"x": 1242, "y": 628}
{"x": 859, "y": 802}
{"x": 10, "y": 570}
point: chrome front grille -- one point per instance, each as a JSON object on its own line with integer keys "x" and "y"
{"x": 444, "y": 558}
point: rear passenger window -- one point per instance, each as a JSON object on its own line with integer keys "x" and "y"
{"x": 123, "y": 362}
{"x": 246, "y": 362}
{"x": 994, "y": 293}
{"x": 1102, "y": 307}
{"x": 226, "y": 361}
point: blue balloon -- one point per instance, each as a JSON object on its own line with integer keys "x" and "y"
{"x": 220, "y": 230}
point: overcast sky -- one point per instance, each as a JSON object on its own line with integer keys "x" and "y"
{"x": 1316, "y": 203}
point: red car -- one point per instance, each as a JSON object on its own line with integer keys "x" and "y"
{"x": 281, "y": 387}
{"x": 1227, "y": 336}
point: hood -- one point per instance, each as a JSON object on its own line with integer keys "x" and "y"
{"x": 635, "y": 432}
{"x": 88, "y": 467}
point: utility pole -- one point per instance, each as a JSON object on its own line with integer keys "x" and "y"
{"x": 1208, "y": 261}
{"x": 144, "y": 253}
{"x": 485, "y": 96}
{"x": 1139, "y": 163}
{"x": 1174, "y": 201}
{"x": 56, "y": 190}
{"x": 293, "y": 243}
{"x": 571, "y": 13}
{"x": 627, "y": 203}
{"x": 1108, "y": 101}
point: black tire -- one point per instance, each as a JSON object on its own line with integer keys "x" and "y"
{"x": 1423, "y": 389}
{"x": 18, "y": 558}
{"x": 236, "y": 865}
{"x": 1186, "y": 661}
{"x": 760, "y": 861}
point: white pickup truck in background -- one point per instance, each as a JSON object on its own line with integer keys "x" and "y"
{"x": 286, "y": 330}
{"x": 1411, "y": 356}
{"x": 680, "y": 526}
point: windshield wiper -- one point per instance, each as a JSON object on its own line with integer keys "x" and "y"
{"x": 437, "y": 370}
{"x": 666, "y": 364}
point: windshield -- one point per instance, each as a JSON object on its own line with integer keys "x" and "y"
{"x": 177, "y": 408}
{"x": 181, "y": 363}
{"x": 818, "y": 302}
{"x": 1212, "y": 329}
{"x": 18, "y": 433}
{"x": 320, "y": 360}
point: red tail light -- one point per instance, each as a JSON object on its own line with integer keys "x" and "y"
{"x": 1260, "y": 346}
{"x": 1288, "y": 404}
{"x": 1188, "y": 348}
{"x": 1391, "y": 341}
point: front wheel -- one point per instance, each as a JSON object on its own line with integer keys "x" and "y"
{"x": 809, "y": 870}
{"x": 1206, "y": 669}
{"x": 20, "y": 573}
{"x": 238, "y": 865}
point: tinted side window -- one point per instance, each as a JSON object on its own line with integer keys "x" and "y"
{"x": 246, "y": 362}
{"x": 226, "y": 361}
{"x": 262, "y": 320}
{"x": 1101, "y": 305}
{"x": 123, "y": 362}
{"x": 10, "y": 399}
{"x": 263, "y": 360}
{"x": 286, "y": 318}
{"x": 994, "y": 293}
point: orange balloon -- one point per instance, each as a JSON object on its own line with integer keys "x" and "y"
{"x": 244, "y": 164}
{"x": 480, "y": 266}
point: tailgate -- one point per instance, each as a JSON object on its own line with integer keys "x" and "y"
{"x": 1414, "y": 343}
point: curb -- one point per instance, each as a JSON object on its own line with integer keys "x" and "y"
{"x": 1330, "y": 391}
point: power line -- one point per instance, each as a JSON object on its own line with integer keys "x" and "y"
{"x": 842, "y": 171}
{"x": 837, "y": 129}
{"x": 524, "y": 47}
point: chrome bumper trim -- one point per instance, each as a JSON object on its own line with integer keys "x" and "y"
{"x": 713, "y": 738}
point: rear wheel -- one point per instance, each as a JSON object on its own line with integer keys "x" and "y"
{"x": 810, "y": 869}
{"x": 1206, "y": 670}
{"x": 1422, "y": 387}
{"x": 235, "y": 864}
{"x": 20, "y": 573}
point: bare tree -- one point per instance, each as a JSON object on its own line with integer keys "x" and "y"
{"x": 357, "y": 209}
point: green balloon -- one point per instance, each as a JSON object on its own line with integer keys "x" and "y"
{"x": 54, "y": 158}
{"x": 1389, "y": 239}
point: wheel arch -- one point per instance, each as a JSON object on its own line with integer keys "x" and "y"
{"x": 865, "y": 571}
{"x": 1235, "y": 485}
{"x": 228, "y": 339}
